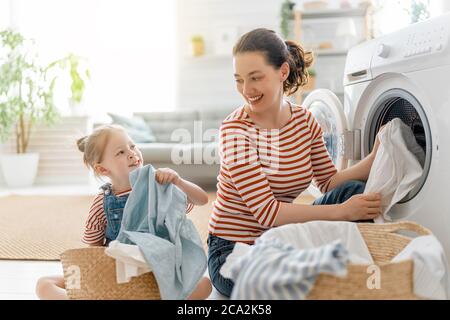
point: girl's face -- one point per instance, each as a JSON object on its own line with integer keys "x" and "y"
{"x": 120, "y": 157}
{"x": 260, "y": 84}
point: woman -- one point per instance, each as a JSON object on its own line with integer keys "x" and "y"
{"x": 271, "y": 150}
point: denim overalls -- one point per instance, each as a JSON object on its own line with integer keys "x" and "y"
{"x": 113, "y": 207}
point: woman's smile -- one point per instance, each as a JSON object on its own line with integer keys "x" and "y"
{"x": 255, "y": 99}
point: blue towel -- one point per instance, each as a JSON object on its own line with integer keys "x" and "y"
{"x": 154, "y": 219}
{"x": 274, "y": 270}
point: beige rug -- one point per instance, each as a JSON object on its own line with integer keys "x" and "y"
{"x": 42, "y": 227}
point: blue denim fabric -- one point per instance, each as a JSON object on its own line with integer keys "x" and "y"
{"x": 341, "y": 193}
{"x": 218, "y": 250}
{"x": 154, "y": 218}
{"x": 113, "y": 207}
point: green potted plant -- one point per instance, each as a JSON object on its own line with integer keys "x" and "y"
{"x": 286, "y": 14}
{"x": 79, "y": 75}
{"x": 26, "y": 98}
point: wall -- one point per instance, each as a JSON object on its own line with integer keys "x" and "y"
{"x": 207, "y": 82}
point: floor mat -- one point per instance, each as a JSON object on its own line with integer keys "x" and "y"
{"x": 41, "y": 227}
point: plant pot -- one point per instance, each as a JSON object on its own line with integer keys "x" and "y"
{"x": 198, "y": 48}
{"x": 19, "y": 170}
{"x": 77, "y": 108}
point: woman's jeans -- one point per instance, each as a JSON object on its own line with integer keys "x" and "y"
{"x": 219, "y": 248}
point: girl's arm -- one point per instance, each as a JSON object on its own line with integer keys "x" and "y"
{"x": 98, "y": 244}
{"x": 194, "y": 193}
{"x": 95, "y": 225}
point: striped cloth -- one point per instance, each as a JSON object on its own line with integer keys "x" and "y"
{"x": 261, "y": 168}
{"x": 276, "y": 270}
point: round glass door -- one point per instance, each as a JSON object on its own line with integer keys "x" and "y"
{"x": 328, "y": 112}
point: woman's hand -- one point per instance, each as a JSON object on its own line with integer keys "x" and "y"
{"x": 167, "y": 175}
{"x": 361, "y": 207}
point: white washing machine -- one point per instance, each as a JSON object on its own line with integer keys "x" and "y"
{"x": 403, "y": 75}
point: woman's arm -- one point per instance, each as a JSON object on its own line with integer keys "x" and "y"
{"x": 359, "y": 171}
{"x": 358, "y": 207}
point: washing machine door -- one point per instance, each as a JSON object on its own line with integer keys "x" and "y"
{"x": 328, "y": 111}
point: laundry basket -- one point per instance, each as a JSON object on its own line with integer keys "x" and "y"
{"x": 89, "y": 274}
{"x": 396, "y": 278}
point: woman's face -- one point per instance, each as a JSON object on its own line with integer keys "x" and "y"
{"x": 260, "y": 84}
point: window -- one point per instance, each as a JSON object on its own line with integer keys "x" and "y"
{"x": 130, "y": 46}
{"x": 393, "y": 15}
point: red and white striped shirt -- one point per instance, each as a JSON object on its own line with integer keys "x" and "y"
{"x": 261, "y": 168}
{"x": 95, "y": 227}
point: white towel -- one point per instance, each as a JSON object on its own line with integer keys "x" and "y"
{"x": 431, "y": 274}
{"x": 397, "y": 166}
{"x": 129, "y": 260}
{"x": 318, "y": 233}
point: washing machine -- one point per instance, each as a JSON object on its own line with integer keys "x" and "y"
{"x": 405, "y": 75}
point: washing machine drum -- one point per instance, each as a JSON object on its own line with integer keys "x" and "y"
{"x": 400, "y": 104}
{"x": 405, "y": 111}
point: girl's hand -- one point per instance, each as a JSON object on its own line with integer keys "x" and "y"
{"x": 361, "y": 207}
{"x": 167, "y": 175}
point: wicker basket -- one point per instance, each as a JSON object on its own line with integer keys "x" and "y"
{"x": 396, "y": 278}
{"x": 89, "y": 274}
{"x": 96, "y": 271}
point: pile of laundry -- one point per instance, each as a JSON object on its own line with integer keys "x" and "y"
{"x": 285, "y": 262}
{"x": 155, "y": 235}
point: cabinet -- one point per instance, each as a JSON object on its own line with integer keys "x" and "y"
{"x": 329, "y": 34}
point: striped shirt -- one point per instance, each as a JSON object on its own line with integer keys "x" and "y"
{"x": 260, "y": 168}
{"x": 95, "y": 226}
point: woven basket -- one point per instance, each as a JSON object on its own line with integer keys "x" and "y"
{"x": 396, "y": 278}
{"x": 89, "y": 274}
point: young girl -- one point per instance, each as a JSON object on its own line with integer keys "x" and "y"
{"x": 110, "y": 152}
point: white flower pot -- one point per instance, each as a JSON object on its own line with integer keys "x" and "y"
{"x": 77, "y": 108}
{"x": 19, "y": 170}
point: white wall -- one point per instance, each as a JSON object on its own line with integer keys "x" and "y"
{"x": 207, "y": 82}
